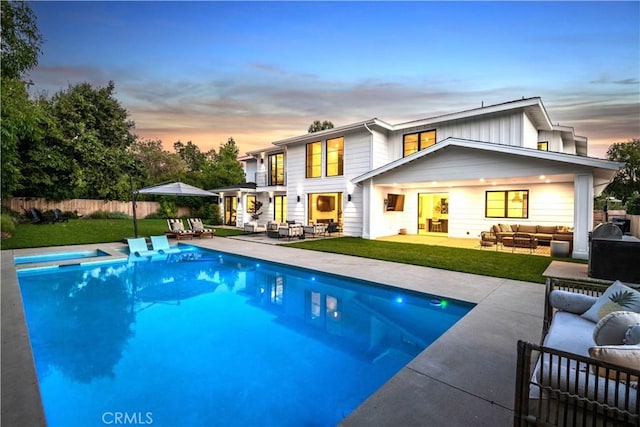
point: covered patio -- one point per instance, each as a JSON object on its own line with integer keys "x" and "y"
{"x": 434, "y": 239}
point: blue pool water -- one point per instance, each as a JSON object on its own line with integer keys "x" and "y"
{"x": 204, "y": 338}
{"x": 63, "y": 256}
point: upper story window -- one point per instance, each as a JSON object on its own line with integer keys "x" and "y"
{"x": 335, "y": 156}
{"x": 276, "y": 169}
{"x": 414, "y": 142}
{"x": 314, "y": 160}
{"x": 507, "y": 204}
{"x": 543, "y": 145}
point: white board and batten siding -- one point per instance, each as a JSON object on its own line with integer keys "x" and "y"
{"x": 549, "y": 204}
{"x": 357, "y": 161}
{"x": 505, "y": 128}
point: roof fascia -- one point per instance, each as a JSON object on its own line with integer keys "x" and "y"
{"x": 498, "y": 148}
{"x": 491, "y": 109}
{"x": 314, "y": 136}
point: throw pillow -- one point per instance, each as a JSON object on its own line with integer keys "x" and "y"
{"x": 571, "y": 302}
{"x": 626, "y": 356}
{"x": 611, "y": 329}
{"x": 617, "y": 297}
{"x": 505, "y": 227}
{"x": 632, "y": 336}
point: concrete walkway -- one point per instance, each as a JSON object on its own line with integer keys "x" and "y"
{"x": 466, "y": 377}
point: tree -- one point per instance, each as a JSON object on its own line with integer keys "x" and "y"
{"x": 20, "y": 44}
{"x": 223, "y": 168}
{"x": 157, "y": 165}
{"x": 627, "y": 181}
{"x": 20, "y": 39}
{"x": 84, "y": 153}
{"x": 19, "y": 121}
{"x": 191, "y": 154}
{"x": 316, "y": 126}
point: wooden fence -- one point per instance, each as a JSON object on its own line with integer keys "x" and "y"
{"x": 85, "y": 207}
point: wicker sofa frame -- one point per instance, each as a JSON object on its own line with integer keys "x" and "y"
{"x": 562, "y": 401}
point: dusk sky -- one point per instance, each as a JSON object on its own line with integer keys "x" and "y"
{"x": 264, "y": 71}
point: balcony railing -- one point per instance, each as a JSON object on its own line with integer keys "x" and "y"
{"x": 262, "y": 180}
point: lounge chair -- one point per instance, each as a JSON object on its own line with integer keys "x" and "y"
{"x": 138, "y": 247}
{"x": 59, "y": 216}
{"x": 36, "y": 216}
{"x": 196, "y": 225}
{"x": 176, "y": 229}
{"x": 161, "y": 245}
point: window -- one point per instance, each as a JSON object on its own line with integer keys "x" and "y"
{"x": 415, "y": 142}
{"x": 276, "y": 169}
{"x": 543, "y": 145}
{"x": 251, "y": 204}
{"x": 507, "y": 204}
{"x": 335, "y": 156}
{"x": 280, "y": 208}
{"x": 314, "y": 159}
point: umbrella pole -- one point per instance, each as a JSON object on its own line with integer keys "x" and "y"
{"x": 133, "y": 203}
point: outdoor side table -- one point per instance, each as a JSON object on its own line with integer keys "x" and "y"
{"x": 559, "y": 248}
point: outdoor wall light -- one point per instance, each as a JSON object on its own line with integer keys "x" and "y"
{"x": 269, "y": 199}
{"x": 298, "y": 198}
{"x": 348, "y": 197}
{"x": 261, "y": 160}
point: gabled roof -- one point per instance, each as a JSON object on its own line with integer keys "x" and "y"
{"x": 531, "y": 106}
{"x": 315, "y": 136}
{"x": 496, "y": 148}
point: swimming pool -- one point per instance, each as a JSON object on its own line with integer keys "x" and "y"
{"x": 60, "y": 256}
{"x": 207, "y": 338}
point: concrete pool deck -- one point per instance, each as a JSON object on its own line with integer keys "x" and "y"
{"x": 466, "y": 377}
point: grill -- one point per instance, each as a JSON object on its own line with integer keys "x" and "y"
{"x": 613, "y": 256}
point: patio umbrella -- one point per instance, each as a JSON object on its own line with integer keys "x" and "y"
{"x": 176, "y": 189}
{"x": 170, "y": 189}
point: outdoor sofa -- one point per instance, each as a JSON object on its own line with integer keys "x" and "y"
{"x": 543, "y": 234}
{"x": 587, "y": 367}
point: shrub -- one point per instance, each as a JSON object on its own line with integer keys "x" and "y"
{"x": 7, "y": 226}
{"x": 168, "y": 209}
{"x": 155, "y": 215}
{"x": 108, "y": 215}
{"x": 633, "y": 205}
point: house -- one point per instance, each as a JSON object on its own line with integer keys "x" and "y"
{"x": 455, "y": 174}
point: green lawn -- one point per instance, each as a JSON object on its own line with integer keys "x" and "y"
{"x": 84, "y": 231}
{"x": 488, "y": 263}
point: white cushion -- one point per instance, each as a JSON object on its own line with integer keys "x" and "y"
{"x": 611, "y": 329}
{"x": 627, "y": 356}
{"x": 632, "y": 335}
{"x": 581, "y": 381}
{"x": 571, "y": 302}
{"x": 605, "y": 305}
{"x": 570, "y": 332}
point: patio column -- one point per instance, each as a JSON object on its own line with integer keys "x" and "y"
{"x": 582, "y": 214}
{"x": 366, "y": 209}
